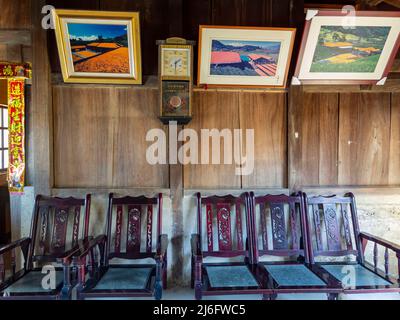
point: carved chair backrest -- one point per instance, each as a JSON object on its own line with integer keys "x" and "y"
{"x": 222, "y": 224}
{"x": 278, "y": 222}
{"x": 333, "y": 227}
{"x": 57, "y": 225}
{"x": 130, "y": 224}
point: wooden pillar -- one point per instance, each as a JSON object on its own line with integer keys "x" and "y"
{"x": 42, "y": 123}
{"x": 176, "y": 187}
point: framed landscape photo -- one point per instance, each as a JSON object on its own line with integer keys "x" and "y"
{"x": 338, "y": 49}
{"x": 98, "y": 46}
{"x": 244, "y": 56}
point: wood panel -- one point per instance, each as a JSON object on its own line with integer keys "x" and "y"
{"x": 213, "y": 110}
{"x": 226, "y": 12}
{"x": 42, "y": 121}
{"x": 84, "y": 124}
{"x": 394, "y": 159}
{"x": 11, "y": 52}
{"x": 364, "y": 138}
{"x": 266, "y": 114}
{"x": 313, "y": 138}
{"x": 15, "y": 14}
{"x": 137, "y": 112}
{"x": 3, "y": 92}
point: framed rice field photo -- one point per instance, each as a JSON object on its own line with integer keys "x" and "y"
{"x": 98, "y": 46}
{"x": 337, "y": 49}
{"x": 244, "y": 56}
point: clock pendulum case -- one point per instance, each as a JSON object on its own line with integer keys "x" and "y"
{"x": 175, "y": 67}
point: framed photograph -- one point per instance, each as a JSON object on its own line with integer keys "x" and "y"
{"x": 341, "y": 49}
{"x": 98, "y": 46}
{"x": 244, "y": 56}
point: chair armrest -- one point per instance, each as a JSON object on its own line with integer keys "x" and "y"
{"x": 66, "y": 257}
{"x": 88, "y": 245}
{"x": 380, "y": 241}
{"x": 18, "y": 243}
{"x": 162, "y": 246}
{"x": 196, "y": 246}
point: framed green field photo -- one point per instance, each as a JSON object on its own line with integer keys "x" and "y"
{"x": 338, "y": 50}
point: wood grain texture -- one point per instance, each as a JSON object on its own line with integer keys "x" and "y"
{"x": 219, "y": 110}
{"x": 137, "y": 113}
{"x": 15, "y": 14}
{"x": 84, "y": 124}
{"x": 226, "y": 12}
{"x": 3, "y": 92}
{"x": 11, "y": 52}
{"x": 21, "y": 37}
{"x": 100, "y": 137}
{"x": 266, "y": 114}
{"x": 364, "y": 139}
{"x": 394, "y": 159}
{"x": 42, "y": 137}
{"x": 313, "y": 136}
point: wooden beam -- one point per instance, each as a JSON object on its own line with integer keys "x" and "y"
{"x": 22, "y": 37}
{"x": 42, "y": 120}
{"x": 177, "y": 238}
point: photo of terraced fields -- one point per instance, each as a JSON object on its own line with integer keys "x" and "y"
{"x": 98, "y": 48}
{"x": 349, "y": 50}
{"x": 244, "y": 58}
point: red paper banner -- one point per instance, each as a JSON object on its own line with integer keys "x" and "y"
{"x": 16, "y": 135}
{"x": 10, "y": 70}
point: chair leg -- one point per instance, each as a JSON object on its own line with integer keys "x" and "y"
{"x": 158, "y": 291}
{"x": 158, "y": 285}
{"x": 198, "y": 291}
{"x": 165, "y": 273}
{"x": 333, "y": 296}
{"x": 192, "y": 274}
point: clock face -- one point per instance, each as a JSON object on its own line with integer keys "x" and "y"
{"x": 175, "y": 62}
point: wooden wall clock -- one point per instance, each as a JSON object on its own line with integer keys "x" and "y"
{"x": 176, "y": 80}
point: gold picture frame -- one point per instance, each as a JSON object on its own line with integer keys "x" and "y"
{"x": 98, "y": 46}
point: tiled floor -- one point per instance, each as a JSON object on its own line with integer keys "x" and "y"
{"x": 188, "y": 294}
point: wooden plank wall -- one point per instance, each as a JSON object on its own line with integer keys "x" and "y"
{"x": 100, "y": 137}
{"x": 343, "y": 139}
{"x": 302, "y": 138}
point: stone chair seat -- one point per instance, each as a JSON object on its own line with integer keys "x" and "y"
{"x": 291, "y": 276}
{"x": 31, "y": 283}
{"x": 354, "y": 276}
{"x": 230, "y": 276}
{"x": 126, "y": 278}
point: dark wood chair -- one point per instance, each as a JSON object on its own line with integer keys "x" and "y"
{"x": 223, "y": 231}
{"x": 58, "y": 226}
{"x": 279, "y": 230}
{"x": 334, "y": 232}
{"x": 128, "y": 217}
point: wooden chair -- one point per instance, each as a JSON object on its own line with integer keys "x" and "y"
{"x": 223, "y": 233}
{"x": 279, "y": 230}
{"x": 56, "y": 230}
{"x": 334, "y": 232}
{"x": 128, "y": 217}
